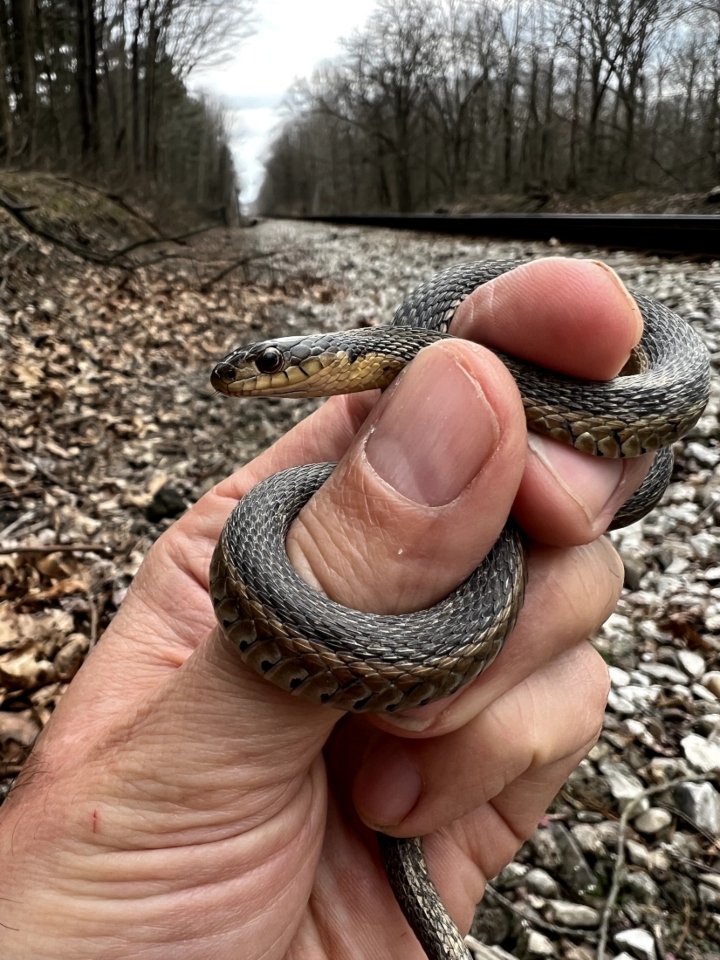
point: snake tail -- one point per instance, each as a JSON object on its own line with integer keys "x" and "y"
{"x": 417, "y": 897}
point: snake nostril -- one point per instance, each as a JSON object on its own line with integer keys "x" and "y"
{"x": 223, "y": 374}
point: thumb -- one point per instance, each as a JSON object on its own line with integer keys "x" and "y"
{"x": 425, "y": 489}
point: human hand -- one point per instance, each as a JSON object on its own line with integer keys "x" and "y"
{"x": 179, "y": 806}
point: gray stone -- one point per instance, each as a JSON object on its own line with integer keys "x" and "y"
{"x": 540, "y": 882}
{"x": 653, "y": 820}
{"x": 635, "y": 566}
{"x": 511, "y": 876}
{"x": 663, "y": 672}
{"x": 638, "y": 942}
{"x": 701, "y": 693}
{"x": 706, "y": 456}
{"x": 663, "y": 769}
{"x": 711, "y": 680}
{"x": 637, "y": 853}
{"x": 709, "y": 897}
{"x": 589, "y": 839}
{"x": 618, "y": 677}
{"x": 574, "y": 868}
{"x": 692, "y": 663}
{"x": 700, "y": 802}
{"x": 642, "y": 887}
{"x": 609, "y": 832}
{"x": 659, "y": 864}
{"x": 547, "y": 852}
{"x": 618, "y": 704}
{"x": 702, "y": 754}
{"x": 538, "y": 945}
{"x": 624, "y": 784}
{"x": 481, "y": 951}
{"x": 573, "y": 914}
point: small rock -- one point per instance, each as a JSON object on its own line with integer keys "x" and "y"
{"x": 702, "y": 754}
{"x": 578, "y": 951}
{"x": 540, "y": 882}
{"x": 589, "y": 839}
{"x": 705, "y": 456}
{"x": 664, "y": 769}
{"x": 618, "y": 677}
{"x": 619, "y": 704}
{"x": 609, "y": 832}
{"x": 684, "y": 846}
{"x": 700, "y": 802}
{"x": 708, "y": 724}
{"x": 547, "y": 852}
{"x": 511, "y": 876}
{"x": 635, "y": 566}
{"x": 676, "y": 566}
{"x": 680, "y": 893}
{"x": 639, "y": 943}
{"x": 573, "y": 914}
{"x": 708, "y": 896}
{"x": 712, "y": 682}
{"x": 538, "y": 945}
{"x": 574, "y": 868}
{"x": 642, "y": 887}
{"x": 652, "y": 821}
{"x": 663, "y": 672}
{"x": 659, "y": 864}
{"x": 702, "y": 693}
{"x": 623, "y": 783}
{"x": 692, "y": 663}
{"x": 637, "y": 853}
{"x": 480, "y": 951}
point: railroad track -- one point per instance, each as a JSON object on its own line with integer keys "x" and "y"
{"x": 658, "y": 233}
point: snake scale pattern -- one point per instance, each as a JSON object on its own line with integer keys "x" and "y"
{"x": 354, "y": 661}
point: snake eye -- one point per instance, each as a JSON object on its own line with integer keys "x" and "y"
{"x": 269, "y": 361}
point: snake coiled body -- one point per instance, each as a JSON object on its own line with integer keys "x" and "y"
{"x": 313, "y": 647}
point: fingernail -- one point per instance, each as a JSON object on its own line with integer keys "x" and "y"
{"x": 622, "y": 289}
{"x": 436, "y": 432}
{"x": 387, "y": 786}
{"x": 590, "y": 481}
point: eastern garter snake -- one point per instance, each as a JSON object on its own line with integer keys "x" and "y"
{"x": 356, "y": 661}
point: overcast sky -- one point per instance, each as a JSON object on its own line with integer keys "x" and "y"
{"x": 292, "y": 37}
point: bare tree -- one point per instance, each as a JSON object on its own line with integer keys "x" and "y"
{"x": 442, "y": 101}
{"x": 105, "y": 82}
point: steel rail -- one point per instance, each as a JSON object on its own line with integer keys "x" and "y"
{"x": 661, "y": 233}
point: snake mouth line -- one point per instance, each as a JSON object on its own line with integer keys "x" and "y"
{"x": 326, "y": 375}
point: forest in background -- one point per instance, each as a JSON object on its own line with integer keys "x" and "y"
{"x": 97, "y": 89}
{"x": 437, "y": 103}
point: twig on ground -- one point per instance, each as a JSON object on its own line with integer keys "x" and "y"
{"x": 57, "y": 548}
{"x": 619, "y": 865}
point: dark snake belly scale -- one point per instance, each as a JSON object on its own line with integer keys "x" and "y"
{"x": 319, "y": 650}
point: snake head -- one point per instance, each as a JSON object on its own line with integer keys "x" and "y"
{"x": 257, "y": 370}
{"x": 319, "y": 365}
